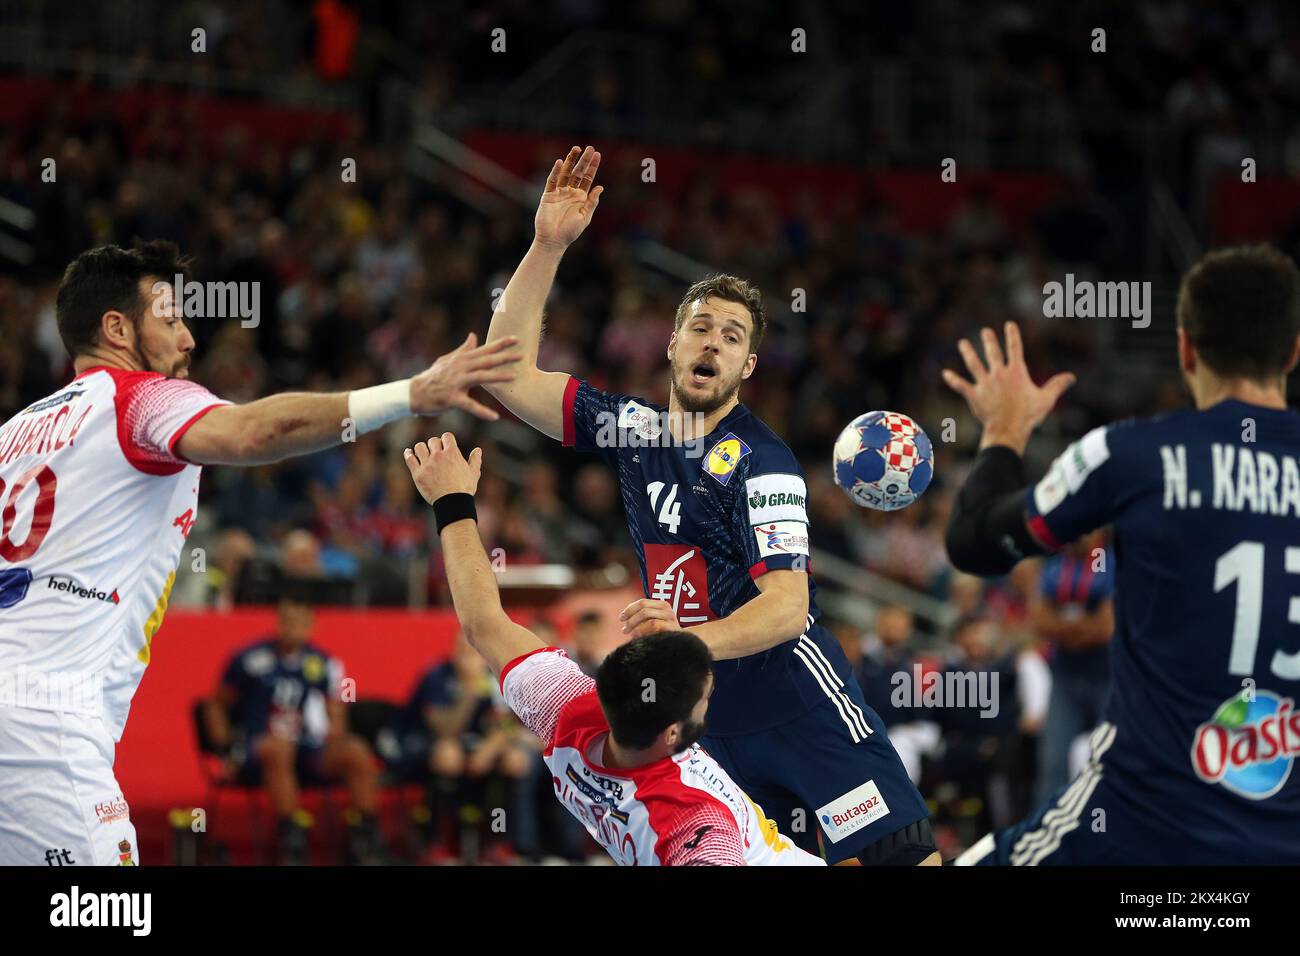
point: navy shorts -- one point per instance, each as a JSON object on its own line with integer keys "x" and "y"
{"x": 831, "y": 769}
{"x": 1099, "y": 821}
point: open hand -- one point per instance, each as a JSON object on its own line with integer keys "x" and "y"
{"x": 1003, "y": 396}
{"x": 447, "y": 382}
{"x": 568, "y": 200}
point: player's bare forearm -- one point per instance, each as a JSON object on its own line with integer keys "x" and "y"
{"x": 567, "y": 204}
{"x": 779, "y": 613}
{"x": 267, "y": 430}
{"x": 477, "y": 599}
{"x": 535, "y": 396}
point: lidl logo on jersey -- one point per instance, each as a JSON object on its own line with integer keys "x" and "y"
{"x": 858, "y": 808}
{"x": 76, "y": 590}
{"x": 1248, "y": 745}
{"x": 725, "y": 456}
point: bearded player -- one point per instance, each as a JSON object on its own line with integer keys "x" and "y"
{"x": 624, "y": 762}
{"x": 715, "y": 506}
{"x": 98, "y": 485}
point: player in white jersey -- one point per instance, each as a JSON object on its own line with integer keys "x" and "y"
{"x": 98, "y": 486}
{"x": 621, "y": 749}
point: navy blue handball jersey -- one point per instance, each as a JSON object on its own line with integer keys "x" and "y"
{"x": 707, "y": 518}
{"x": 1200, "y": 732}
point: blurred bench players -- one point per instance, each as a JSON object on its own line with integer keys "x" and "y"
{"x": 279, "y": 714}
{"x": 621, "y": 749}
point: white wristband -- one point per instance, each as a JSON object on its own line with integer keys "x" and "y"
{"x": 375, "y": 407}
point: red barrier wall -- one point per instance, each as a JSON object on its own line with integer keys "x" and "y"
{"x": 157, "y": 759}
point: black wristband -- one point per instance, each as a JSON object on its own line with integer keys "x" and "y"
{"x": 452, "y": 508}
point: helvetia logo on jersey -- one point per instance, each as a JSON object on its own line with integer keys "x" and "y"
{"x": 1248, "y": 745}
{"x": 76, "y": 590}
{"x": 725, "y": 456}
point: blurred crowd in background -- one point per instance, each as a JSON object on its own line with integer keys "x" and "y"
{"x": 371, "y": 281}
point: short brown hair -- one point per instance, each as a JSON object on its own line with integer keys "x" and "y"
{"x": 107, "y": 279}
{"x": 1240, "y": 308}
{"x": 729, "y": 289}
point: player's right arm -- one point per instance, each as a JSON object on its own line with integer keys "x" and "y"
{"x": 996, "y": 521}
{"x": 298, "y": 423}
{"x": 566, "y": 207}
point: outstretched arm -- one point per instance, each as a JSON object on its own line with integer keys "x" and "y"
{"x": 778, "y": 613}
{"x": 298, "y": 423}
{"x": 988, "y": 533}
{"x": 440, "y": 470}
{"x": 567, "y": 205}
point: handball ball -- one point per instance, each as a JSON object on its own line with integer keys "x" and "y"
{"x": 883, "y": 461}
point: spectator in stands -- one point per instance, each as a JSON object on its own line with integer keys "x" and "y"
{"x": 1072, "y": 612}
{"x": 278, "y": 712}
{"x": 454, "y": 734}
{"x": 887, "y": 665}
{"x": 593, "y": 638}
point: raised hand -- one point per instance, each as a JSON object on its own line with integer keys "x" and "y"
{"x": 569, "y": 199}
{"x": 438, "y": 468}
{"x": 1002, "y": 395}
{"x": 447, "y": 382}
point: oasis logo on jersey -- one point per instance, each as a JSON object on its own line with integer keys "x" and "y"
{"x": 76, "y": 590}
{"x": 1248, "y": 745}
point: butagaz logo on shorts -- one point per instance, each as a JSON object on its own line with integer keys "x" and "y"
{"x": 212, "y": 300}
{"x": 76, "y": 590}
{"x": 1098, "y": 300}
{"x": 74, "y": 908}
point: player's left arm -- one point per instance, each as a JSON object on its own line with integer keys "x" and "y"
{"x": 769, "y": 528}
{"x": 997, "y": 520}
{"x": 778, "y": 613}
{"x": 448, "y": 480}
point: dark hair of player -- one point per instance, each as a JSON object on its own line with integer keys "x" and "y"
{"x": 729, "y": 289}
{"x": 107, "y": 279}
{"x": 1240, "y": 308}
{"x": 650, "y": 683}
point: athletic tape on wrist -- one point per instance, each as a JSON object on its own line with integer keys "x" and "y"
{"x": 375, "y": 407}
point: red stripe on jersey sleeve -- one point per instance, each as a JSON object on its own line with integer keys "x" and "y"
{"x": 1039, "y": 529}
{"x": 570, "y": 393}
{"x": 127, "y": 382}
{"x": 704, "y": 835}
{"x": 173, "y": 446}
{"x": 518, "y": 660}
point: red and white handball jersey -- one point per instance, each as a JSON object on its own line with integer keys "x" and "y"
{"x": 96, "y": 504}
{"x": 679, "y": 811}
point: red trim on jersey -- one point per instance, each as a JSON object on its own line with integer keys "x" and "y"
{"x": 501, "y": 681}
{"x": 127, "y": 382}
{"x": 173, "y": 445}
{"x": 570, "y": 393}
{"x": 1039, "y": 529}
{"x": 760, "y": 568}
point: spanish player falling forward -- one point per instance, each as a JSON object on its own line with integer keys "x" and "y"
{"x": 1192, "y": 763}
{"x": 621, "y": 749}
{"x": 715, "y": 505}
{"x": 99, "y": 483}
